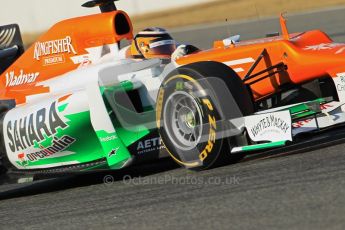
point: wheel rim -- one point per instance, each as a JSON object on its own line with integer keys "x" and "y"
{"x": 183, "y": 120}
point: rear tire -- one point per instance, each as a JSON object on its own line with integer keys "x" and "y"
{"x": 188, "y": 107}
{"x": 4, "y": 162}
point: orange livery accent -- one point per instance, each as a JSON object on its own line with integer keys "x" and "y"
{"x": 51, "y": 55}
{"x": 308, "y": 56}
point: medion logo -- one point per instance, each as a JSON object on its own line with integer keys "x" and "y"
{"x": 36, "y": 127}
{"x": 53, "y": 47}
{"x": 21, "y": 79}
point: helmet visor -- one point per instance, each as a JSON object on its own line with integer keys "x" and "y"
{"x": 163, "y": 47}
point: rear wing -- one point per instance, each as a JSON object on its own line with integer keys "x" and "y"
{"x": 11, "y": 45}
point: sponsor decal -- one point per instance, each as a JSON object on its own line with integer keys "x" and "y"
{"x": 113, "y": 152}
{"x": 56, "y": 59}
{"x": 58, "y": 145}
{"x": 269, "y": 127}
{"x": 108, "y": 138}
{"x": 300, "y": 124}
{"x": 340, "y": 84}
{"x": 34, "y": 128}
{"x": 82, "y": 59}
{"x": 21, "y": 158}
{"x": 159, "y": 106}
{"x": 179, "y": 85}
{"x": 327, "y": 46}
{"x": 59, "y": 46}
{"x": 149, "y": 145}
{"x": 212, "y": 135}
{"x": 94, "y": 54}
{"x": 21, "y": 79}
{"x": 326, "y": 106}
{"x": 269, "y": 122}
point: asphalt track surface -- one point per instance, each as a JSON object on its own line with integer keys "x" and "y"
{"x": 300, "y": 187}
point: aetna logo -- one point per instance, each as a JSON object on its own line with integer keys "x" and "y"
{"x": 149, "y": 145}
{"x": 54, "y": 47}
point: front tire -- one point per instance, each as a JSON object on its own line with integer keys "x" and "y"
{"x": 189, "y": 109}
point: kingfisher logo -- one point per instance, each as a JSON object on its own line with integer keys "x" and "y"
{"x": 53, "y": 47}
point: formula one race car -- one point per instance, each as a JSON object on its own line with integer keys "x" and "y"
{"x": 72, "y": 103}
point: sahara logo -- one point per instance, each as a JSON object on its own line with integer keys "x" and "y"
{"x": 58, "y": 145}
{"x": 54, "y": 47}
{"x": 21, "y": 79}
{"x": 34, "y": 128}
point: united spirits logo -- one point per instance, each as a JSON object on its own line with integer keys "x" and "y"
{"x": 53, "y": 47}
{"x": 34, "y": 128}
{"x": 23, "y": 78}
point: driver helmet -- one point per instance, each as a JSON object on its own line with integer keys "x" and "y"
{"x": 153, "y": 43}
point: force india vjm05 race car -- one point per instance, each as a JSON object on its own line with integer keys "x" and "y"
{"x": 73, "y": 103}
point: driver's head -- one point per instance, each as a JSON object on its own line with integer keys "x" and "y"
{"x": 153, "y": 43}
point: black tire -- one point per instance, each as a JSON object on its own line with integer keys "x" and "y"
{"x": 191, "y": 98}
{"x": 4, "y": 162}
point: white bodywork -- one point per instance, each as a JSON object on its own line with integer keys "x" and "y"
{"x": 146, "y": 75}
